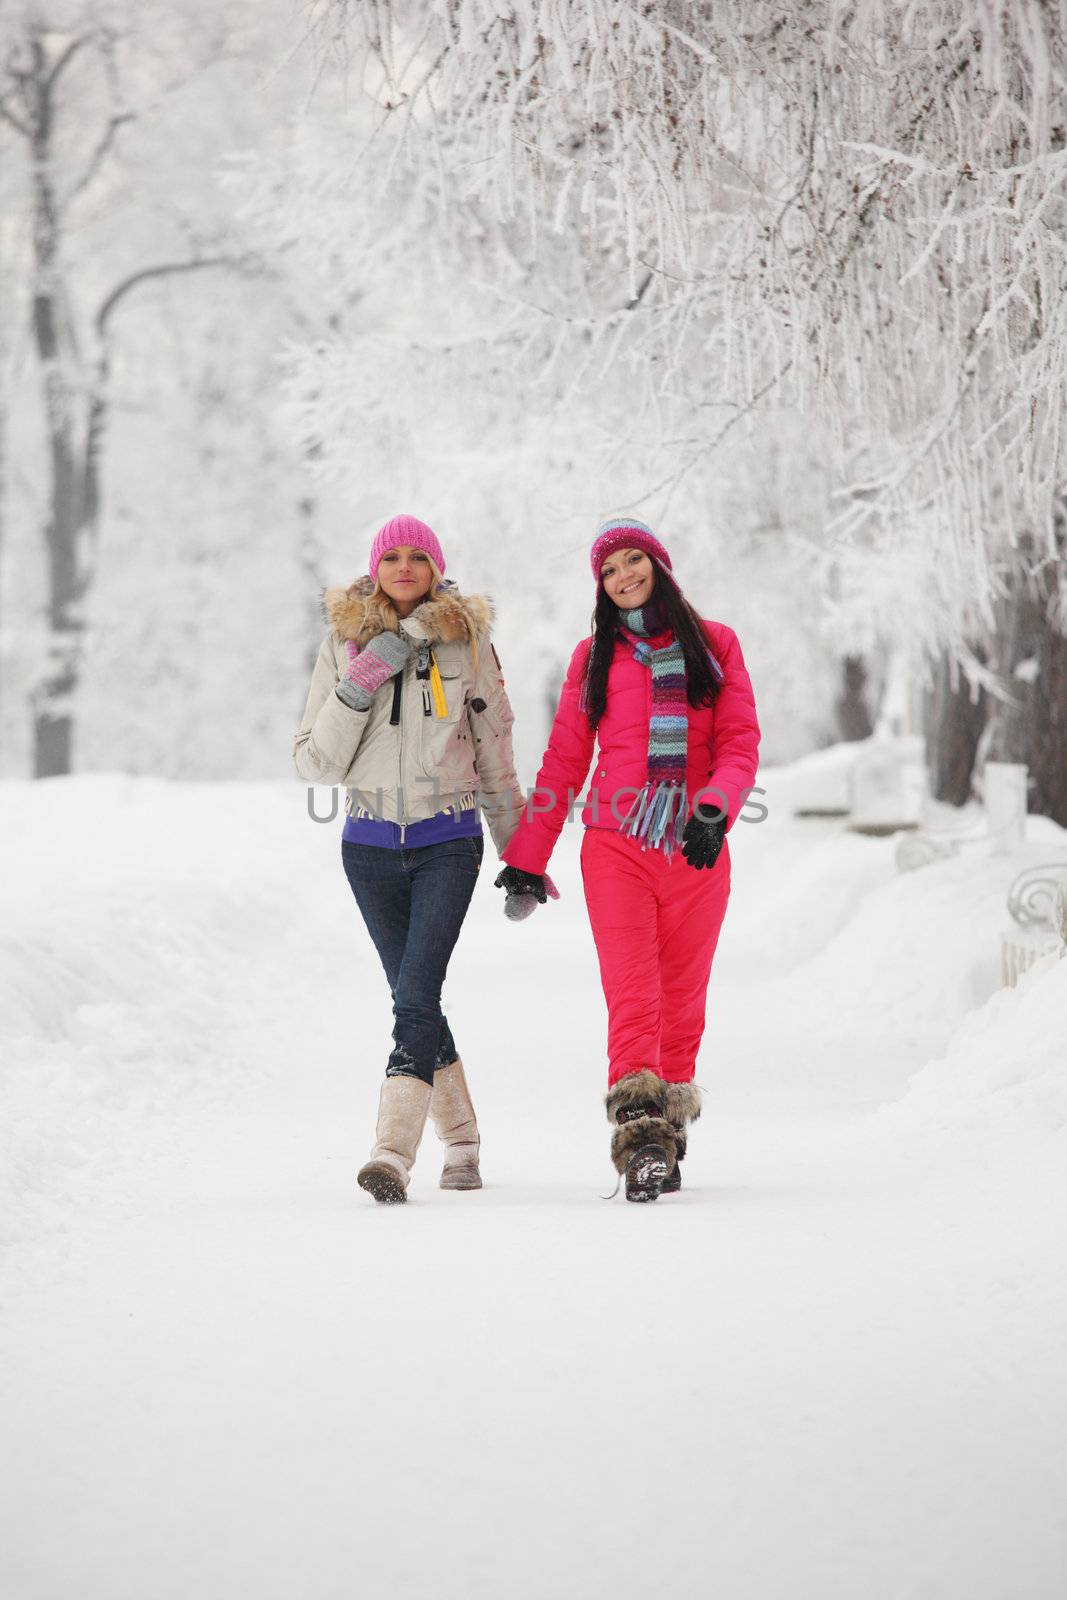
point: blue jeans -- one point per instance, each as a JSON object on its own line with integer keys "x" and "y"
{"x": 414, "y": 903}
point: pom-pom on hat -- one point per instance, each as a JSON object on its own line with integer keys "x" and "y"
{"x": 406, "y": 530}
{"x": 625, "y": 533}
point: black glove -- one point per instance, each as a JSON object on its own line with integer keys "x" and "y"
{"x": 525, "y": 891}
{"x": 703, "y": 838}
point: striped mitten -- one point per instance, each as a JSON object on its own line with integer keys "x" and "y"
{"x": 368, "y": 669}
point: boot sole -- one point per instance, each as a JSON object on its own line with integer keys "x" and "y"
{"x": 385, "y": 1184}
{"x": 646, "y": 1172}
{"x": 461, "y": 1180}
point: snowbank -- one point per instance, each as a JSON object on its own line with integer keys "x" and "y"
{"x": 160, "y": 942}
{"x": 1005, "y": 1070}
{"x": 854, "y": 974}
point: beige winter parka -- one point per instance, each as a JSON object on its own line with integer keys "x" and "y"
{"x": 409, "y": 757}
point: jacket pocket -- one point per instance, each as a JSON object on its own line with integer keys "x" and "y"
{"x": 450, "y": 671}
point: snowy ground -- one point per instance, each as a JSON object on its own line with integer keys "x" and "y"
{"x": 834, "y": 1366}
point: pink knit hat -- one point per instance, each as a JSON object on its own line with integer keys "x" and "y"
{"x": 625, "y": 533}
{"x": 406, "y": 530}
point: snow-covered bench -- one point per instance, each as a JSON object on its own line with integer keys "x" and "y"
{"x": 915, "y": 850}
{"x": 1037, "y": 904}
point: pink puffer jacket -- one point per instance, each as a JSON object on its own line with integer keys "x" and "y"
{"x": 721, "y": 758}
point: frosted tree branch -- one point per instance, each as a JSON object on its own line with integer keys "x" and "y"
{"x": 858, "y": 213}
{"x": 99, "y": 154}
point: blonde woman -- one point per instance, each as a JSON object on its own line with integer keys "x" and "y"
{"x": 407, "y": 709}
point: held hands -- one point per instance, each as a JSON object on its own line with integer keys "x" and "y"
{"x": 525, "y": 891}
{"x": 703, "y": 838}
{"x": 368, "y": 669}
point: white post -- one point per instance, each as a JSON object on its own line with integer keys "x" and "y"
{"x": 887, "y": 785}
{"x": 1005, "y": 805}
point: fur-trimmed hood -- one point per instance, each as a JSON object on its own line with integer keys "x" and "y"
{"x": 446, "y": 616}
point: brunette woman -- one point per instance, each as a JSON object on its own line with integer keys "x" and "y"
{"x": 666, "y": 698}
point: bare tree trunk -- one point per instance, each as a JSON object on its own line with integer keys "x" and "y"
{"x": 53, "y": 719}
{"x": 955, "y": 715}
{"x": 853, "y": 713}
{"x": 1048, "y": 758}
{"x": 3, "y": 513}
{"x": 76, "y": 401}
{"x": 1031, "y": 726}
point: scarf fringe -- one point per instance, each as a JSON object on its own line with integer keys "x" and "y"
{"x": 658, "y": 817}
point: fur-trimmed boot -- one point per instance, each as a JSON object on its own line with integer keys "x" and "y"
{"x": 402, "y": 1112}
{"x": 683, "y": 1107}
{"x": 452, "y": 1114}
{"x": 643, "y": 1143}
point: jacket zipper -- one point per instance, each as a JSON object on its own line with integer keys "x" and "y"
{"x": 422, "y": 672}
{"x": 395, "y": 722}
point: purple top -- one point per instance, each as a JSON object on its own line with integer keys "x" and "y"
{"x": 431, "y": 830}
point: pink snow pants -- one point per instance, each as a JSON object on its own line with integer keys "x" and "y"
{"x": 656, "y": 924}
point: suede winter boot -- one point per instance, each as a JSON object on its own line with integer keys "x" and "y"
{"x": 402, "y": 1113}
{"x": 683, "y": 1107}
{"x": 453, "y": 1116}
{"x": 643, "y": 1144}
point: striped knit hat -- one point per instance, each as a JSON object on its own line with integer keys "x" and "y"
{"x": 625, "y": 533}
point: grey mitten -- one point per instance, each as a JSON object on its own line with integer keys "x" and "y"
{"x": 368, "y": 669}
{"x": 524, "y": 892}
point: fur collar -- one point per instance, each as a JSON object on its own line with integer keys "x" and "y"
{"x": 447, "y": 616}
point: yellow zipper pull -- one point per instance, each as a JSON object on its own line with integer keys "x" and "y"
{"x": 438, "y": 689}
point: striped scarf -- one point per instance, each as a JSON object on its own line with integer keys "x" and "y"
{"x": 661, "y": 809}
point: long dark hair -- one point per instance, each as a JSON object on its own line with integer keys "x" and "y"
{"x": 702, "y": 682}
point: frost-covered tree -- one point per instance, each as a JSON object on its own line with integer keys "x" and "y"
{"x": 76, "y": 81}
{"x": 412, "y": 382}
{"x": 854, "y": 213}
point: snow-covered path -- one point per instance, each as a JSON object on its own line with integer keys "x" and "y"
{"x": 832, "y": 1366}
